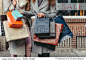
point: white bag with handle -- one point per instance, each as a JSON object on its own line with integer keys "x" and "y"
{"x": 22, "y": 3}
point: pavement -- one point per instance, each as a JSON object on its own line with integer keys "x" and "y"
{"x": 57, "y": 53}
{"x": 79, "y": 52}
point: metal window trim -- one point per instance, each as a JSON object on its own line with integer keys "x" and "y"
{"x": 74, "y": 17}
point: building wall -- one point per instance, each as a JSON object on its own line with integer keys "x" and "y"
{"x": 78, "y": 28}
{"x": 0, "y": 7}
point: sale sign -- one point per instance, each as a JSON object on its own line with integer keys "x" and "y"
{"x": 71, "y": 6}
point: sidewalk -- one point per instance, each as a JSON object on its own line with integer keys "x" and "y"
{"x": 57, "y": 53}
{"x": 79, "y": 53}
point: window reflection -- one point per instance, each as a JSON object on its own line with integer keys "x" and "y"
{"x": 72, "y": 12}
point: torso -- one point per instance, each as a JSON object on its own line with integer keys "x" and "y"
{"x": 43, "y": 7}
{"x": 18, "y": 8}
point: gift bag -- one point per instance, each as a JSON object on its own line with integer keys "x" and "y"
{"x": 52, "y": 41}
{"x": 52, "y": 31}
{"x": 42, "y": 27}
{"x": 15, "y": 33}
{"x": 12, "y": 22}
{"x": 66, "y": 32}
{"x": 17, "y": 15}
{"x": 22, "y": 3}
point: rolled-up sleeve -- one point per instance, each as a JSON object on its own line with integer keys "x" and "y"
{"x": 28, "y": 13}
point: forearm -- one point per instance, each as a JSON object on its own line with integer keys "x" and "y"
{"x": 28, "y": 13}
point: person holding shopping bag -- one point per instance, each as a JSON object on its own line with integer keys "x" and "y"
{"x": 41, "y": 8}
{"x": 45, "y": 8}
{"x": 19, "y": 47}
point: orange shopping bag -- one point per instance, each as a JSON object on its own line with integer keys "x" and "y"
{"x": 12, "y": 22}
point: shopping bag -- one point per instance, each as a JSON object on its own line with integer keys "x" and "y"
{"x": 12, "y": 22}
{"x": 42, "y": 27}
{"x": 52, "y": 41}
{"x": 66, "y": 32}
{"x": 15, "y": 33}
{"x": 52, "y": 31}
{"x": 17, "y": 15}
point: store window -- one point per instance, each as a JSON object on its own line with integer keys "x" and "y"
{"x": 74, "y": 12}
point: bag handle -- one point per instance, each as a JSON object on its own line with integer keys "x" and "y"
{"x": 37, "y": 14}
{"x": 53, "y": 18}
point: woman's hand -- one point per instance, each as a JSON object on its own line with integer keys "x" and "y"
{"x": 40, "y": 15}
{"x": 21, "y": 12}
{"x": 14, "y": 3}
